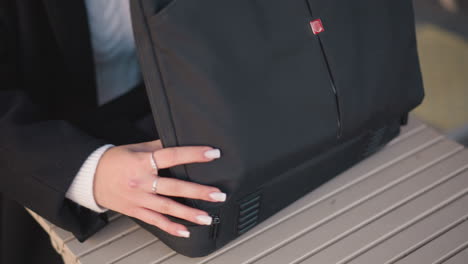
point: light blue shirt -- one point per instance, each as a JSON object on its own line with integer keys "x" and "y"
{"x": 117, "y": 71}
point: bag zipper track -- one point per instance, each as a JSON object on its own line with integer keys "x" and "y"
{"x": 333, "y": 86}
{"x": 215, "y": 226}
{"x": 332, "y": 80}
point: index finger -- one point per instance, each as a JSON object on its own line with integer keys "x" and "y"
{"x": 173, "y": 156}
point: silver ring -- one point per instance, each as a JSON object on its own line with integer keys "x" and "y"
{"x": 153, "y": 164}
{"x": 155, "y": 185}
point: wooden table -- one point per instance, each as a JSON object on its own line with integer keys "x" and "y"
{"x": 406, "y": 204}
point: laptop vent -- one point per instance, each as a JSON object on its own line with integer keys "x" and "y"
{"x": 375, "y": 141}
{"x": 249, "y": 209}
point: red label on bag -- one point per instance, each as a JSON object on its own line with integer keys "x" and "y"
{"x": 317, "y": 26}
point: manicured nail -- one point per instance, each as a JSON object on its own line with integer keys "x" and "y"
{"x": 213, "y": 154}
{"x": 183, "y": 233}
{"x": 218, "y": 196}
{"x": 204, "y": 219}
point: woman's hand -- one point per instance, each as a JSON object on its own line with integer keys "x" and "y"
{"x": 123, "y": 183}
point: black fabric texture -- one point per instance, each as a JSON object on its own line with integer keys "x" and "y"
{"x": 288, "y": 109}
{"x": 50, "y": 123}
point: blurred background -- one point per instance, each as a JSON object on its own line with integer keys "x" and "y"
{"x": 442, "y": 32}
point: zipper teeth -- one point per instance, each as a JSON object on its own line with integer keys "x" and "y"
{"x": 308, "y": 6}
{"x": 333, "y": 86}
{"x": 214, "y": 226}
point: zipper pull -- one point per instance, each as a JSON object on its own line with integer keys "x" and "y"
{"x": 317, "y": 26}
{"x": 215, "y": 226}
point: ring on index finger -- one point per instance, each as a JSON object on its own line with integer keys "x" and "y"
{"x": 153, "y": 164}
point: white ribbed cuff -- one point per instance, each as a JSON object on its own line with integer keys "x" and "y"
{"x": 81, "y": 189}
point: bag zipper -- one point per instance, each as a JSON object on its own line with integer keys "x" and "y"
{"x": 332, "y": 80}
{"x": 333, "y": 86}
{"x": 215, "y": 226}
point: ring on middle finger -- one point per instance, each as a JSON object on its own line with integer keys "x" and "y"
{"x": 153, "y": 164}
{"x": 154, "y": 185}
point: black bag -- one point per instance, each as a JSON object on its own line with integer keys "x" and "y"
{"x": 293, "y": 92}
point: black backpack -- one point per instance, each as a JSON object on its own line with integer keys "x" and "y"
{"x": 293, "y": 92}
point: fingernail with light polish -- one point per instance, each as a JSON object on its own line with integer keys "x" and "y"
{"x": 204, "y": 219}
{"x": 213, "y": 154}
{"x": 218, "y": 196}
{"x": 183, "y": 233}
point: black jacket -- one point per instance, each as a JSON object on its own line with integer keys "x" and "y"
{"x": 49, "y": 118}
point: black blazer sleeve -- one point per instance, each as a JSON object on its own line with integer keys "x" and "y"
{"x": 39, "y": 156}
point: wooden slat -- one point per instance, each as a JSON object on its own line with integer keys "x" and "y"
{"x": 60, "y": 237}
{"x": 118, "y": 247}
{"x": 459, "y": 258}
{"x": 438, "y": 248}
{"x": 413, "y": 122}
{"x": 405, "y": 243}
{"x": 415, "y": 212}
{"x": 417, "y": 236}
{"x": 121, "y": 227}
{"x": 111, "y": 215}
{"x": 153, "y": 253}
{"x": 61, "y": 234}
{"x": 395, "y": 193}
{"x": 414, "y": 126}
{"x": 66, "y": 236}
